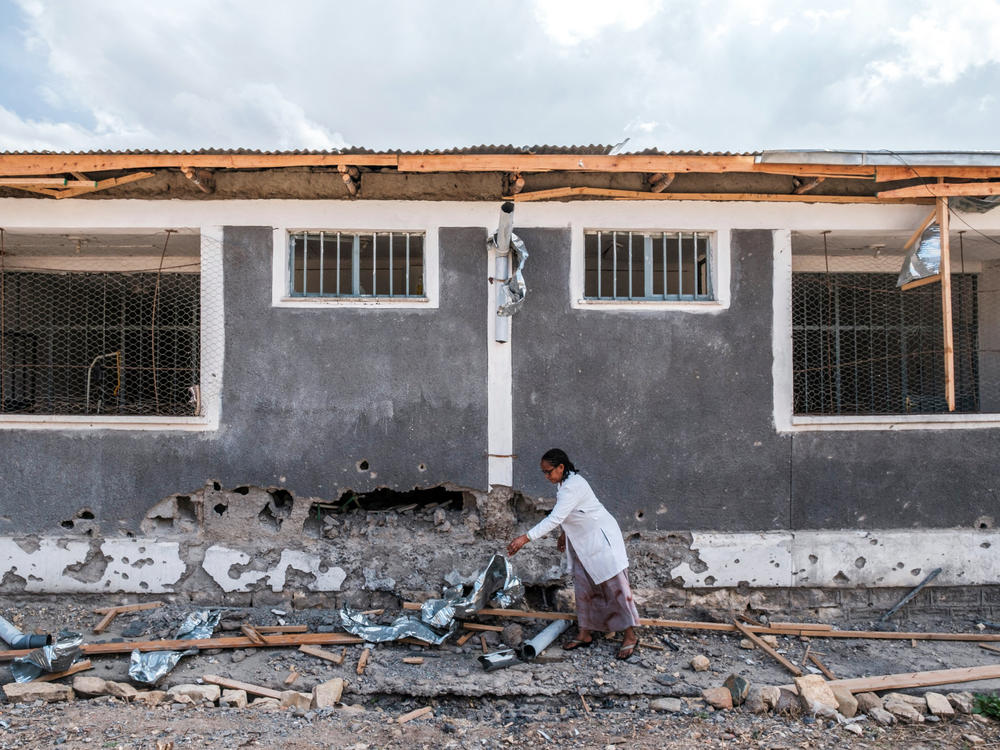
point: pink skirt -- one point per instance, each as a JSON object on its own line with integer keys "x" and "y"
{"x": 606, "y": 607}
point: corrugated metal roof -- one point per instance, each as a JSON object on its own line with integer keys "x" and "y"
{"x": 883, "y": 158}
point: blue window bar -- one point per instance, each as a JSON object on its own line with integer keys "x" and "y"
{"x": 356, "y": 264}
{"x": 644, "y": 266}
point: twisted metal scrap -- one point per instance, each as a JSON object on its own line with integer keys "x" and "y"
{"x": 513, "y": 288}
{"x": 358, "y": 624}
{"x": 496, "y": 585}
{"x": 57, "y": 657}
{"x": 151, "y": 666}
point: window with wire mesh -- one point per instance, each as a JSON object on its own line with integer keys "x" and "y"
{"x": 359, "y": 264}
{"x": 622, "y": 265}
{"x": 98, "y": 342}
{"x": 862, "y": 346}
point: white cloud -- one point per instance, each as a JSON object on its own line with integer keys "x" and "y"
{"x": 569, "y": 22}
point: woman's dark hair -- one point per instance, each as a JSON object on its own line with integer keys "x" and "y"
{"x": 555, "y": 456}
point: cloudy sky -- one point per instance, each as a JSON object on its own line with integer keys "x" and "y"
{"x": 720, "y": 75}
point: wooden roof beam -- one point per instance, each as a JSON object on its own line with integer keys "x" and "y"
{"x": 571, "y": 192}
{"x": 944, "y": 190}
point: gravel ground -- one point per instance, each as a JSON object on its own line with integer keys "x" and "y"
{"x": 537, "y": 703}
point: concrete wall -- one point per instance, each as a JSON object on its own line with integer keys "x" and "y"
{"x": 308, "y": 395}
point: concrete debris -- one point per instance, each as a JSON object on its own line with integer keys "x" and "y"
{"x": 854, "y": 729}
{"x": 328, "y": 694}
{"x": 962, "y": 702}
{"x": 295, "y": 699}
{"x": 667, "y": 705}
{"x": 29, "y": 692}
{"x": 814, "y": 693}
{"x": 700, "y": 663}
{"x": 882, "y": 717}
{"x": 904, "y": 711}
{"x": 847, "y": 704}
{"x": 150, "y": 698}
{"x": 197, "y": 693}
{"x": 867, "y": 701}
{"x": 120, "y": 690}
{"x": 89, "y": 686}
{"x": 938, "y": 705}
{"x": 233, "y": 698}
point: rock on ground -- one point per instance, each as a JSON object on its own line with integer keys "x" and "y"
{"x": 813, "y": 692}
{"x": 29, "y": 692}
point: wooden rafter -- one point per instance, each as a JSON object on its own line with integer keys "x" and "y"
{"x": 570, "y": 192}
{"x": 917, "y": 172}
{"x": 83, "y": 187}
{"x": 943, "y": 189}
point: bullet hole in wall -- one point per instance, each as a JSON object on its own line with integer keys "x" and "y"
{"x": 362, "y": 465}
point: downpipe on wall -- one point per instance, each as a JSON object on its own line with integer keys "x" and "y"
{"x": 501, "y": 270}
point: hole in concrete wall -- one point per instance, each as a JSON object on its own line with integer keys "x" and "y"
{"x": 216, "y": 486}
{"x": 639, "y": 515}
{"x": 281, "y": 498}
{"x": 985, "y": 545}
{"x": 67, "y": 524}
{"x": 541, "y": 597}
{"x": 709, "y": 580}
{"x": 841, "y": 578}
{"x": 186, "y": 509}
{"x": 221, "y": 508}
{"x": 915, "y": 572}
{"x": 85, "y": 514}
{"x": 860, "y": 563}
{"x": 899, "y": 566}
{"x": 386, "y": 499}
{"x": 362, "y": 465}
{"x": 984, "y": 522}
{"x": 421, "y": 467}
{"x": 813, "y": 559}
{"x": 242, "y": 490}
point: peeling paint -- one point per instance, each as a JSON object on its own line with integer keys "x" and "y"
{"x": 219, "y": 562}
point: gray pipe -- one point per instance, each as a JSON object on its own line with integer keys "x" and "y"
{"x": 501, "y": 269}
{"x": 530, "y": 649}
{"x": 17, "y": 639}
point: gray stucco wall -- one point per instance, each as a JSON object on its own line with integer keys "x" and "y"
{"x": 307, "y": 394}
{"x": 667, "y": 413}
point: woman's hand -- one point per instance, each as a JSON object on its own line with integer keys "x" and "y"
{"x": 516, "y": 544}
{"x": 561, "y": 544}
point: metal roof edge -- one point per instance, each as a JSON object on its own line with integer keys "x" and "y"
{"x": 881, "y": 158}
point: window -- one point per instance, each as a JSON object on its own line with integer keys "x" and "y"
{"x": 101, "y": 325}
{"x": 624, "y": 265}
{"x": 861, "y": 346}
{"x": 355, "y": 265}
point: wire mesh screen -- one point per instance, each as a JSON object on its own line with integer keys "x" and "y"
{"x": 100, "y": 342}
{"x": 863, "y": 346}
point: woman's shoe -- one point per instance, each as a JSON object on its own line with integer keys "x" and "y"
{"x": 576, "y": 643}
{"x": 627, "y": 650}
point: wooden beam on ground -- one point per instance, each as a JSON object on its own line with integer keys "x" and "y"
{"x": 281, "y": 628}
{"x": 802, "y": 625}
{"x": 363, "y": 661}
{"x": 822, "y": 667}
{"x": 416, "y": 660}
{"x": 767, "y": 649}
{"x": 128, "y": 608}
{"x": 124, "y": 647}
{"x": 253, "y": 635}
{"x": 463, "y": 639}
{"x": 943, "y": 189}
{"x": 943, "y": 220}
{"x": 321, "y": 653}
{"x": 572, "y": 192}
{"x": 105, "y": 621}
{"x": 415, "y": 714}
{"x": 80, "y": 666}
{"x": 477, "y": 626}
{"x": 225, "y": 682}
{"x": 918, "y": 679}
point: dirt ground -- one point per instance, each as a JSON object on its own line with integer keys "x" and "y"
{"x": 584, "y": 698}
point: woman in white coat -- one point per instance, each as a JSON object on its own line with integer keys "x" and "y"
{"x": 596, "y": 554}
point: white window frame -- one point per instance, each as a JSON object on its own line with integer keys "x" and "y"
{"x": 281, "y": 271}
{"x": 718, "y": 268}
{"x": 786, "y": 421}
{"x": 212, "y": 351}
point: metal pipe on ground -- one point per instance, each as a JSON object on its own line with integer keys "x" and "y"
{"x": 17, "y": 639}
{"x": 531, "y": 649}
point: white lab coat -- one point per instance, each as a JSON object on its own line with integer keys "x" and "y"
{"x": 593, "y": 532}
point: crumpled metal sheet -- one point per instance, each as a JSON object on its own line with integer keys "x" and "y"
{"x": 56, "y": 657}
{"x": 924, "y": 258}
{"x": 496, "y": 585}
{"x": 150, "y": 667}
{"x": 358, "y": 624}
{"x": 513, "y": 288}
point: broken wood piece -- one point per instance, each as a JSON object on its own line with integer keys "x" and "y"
{"x": 477, "y": 626}
{"x": 583, "y": 700}
{"x": 988, "y": 647}
{"x": 373, "y": 612}
{"x": 80, "y": 666}
{"x": 322, "y": 653}
{"x": 755, "y": 639}
{"x": 281, "y": 628}
{"x": 225, "y": 682}
{"x": 918, "y": 679}
{"x": 822, "y": 667}
{"x": 292, "y": 677}
{"x": 809, "y": 626}
{"x": 363, "y": 661}
{"x": 413, "y": 660}
{"x": 805, "y": 656}
{"x": 250, "y": 632}
{"x": 482, "y": 642}
{"x": 913, "y": 643}
{"x": 415, "y": 714}
{"x": 464, "y": 638}
{"x": 650, "y": 644}
{"x": 101, "y": 626}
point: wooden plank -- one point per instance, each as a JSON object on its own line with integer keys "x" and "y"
{"x": 80, "y": 666}
{"x": 810, "y": 626}
{"x": 988, "y": 647}
{"x": 105, "y": 184}
{"x": 281, "y": 628}
{"x": 253, "y": 635}
{"x": 413, "y": 660}
{"x": 46, "y": 164}
{"x": 464, "y": 638}
{"x": 477, "y": 626}
{"x": 124, "y": 647}
{"x": 415, "y": 714}
{"x": 928, "y": 220}
{"x": 569, "y": 192}
{"x": 225, "y": 682}
{"x": 822, "y": 667}
{"x": 919, "y": 172}
{"x": 128, "y": 608}
{"x": 482, "y": 643}
{"x": 101, "y": 626}
{"x": 569, "y": 163}
{"x": 321, "y": 653}
{"x": 767, "y": 649}
{"x": 943, "y": 189}
{"x": 34, "y": 181}
{"x": 918, "y": 679}
{"x": 292, "y": 677}
{"x": 943, "y": 220}
{"x": 920, "y": 282}
{"x": 363, "y": 661}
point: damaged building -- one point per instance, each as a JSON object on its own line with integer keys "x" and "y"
{"x": 259, "y": 377}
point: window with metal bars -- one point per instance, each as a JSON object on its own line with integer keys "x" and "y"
{"x": 643, "y": 266}
{"x": 861, "y": 346}
{"x": 356, "y": 264}
{"x": 100, "y": 343}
